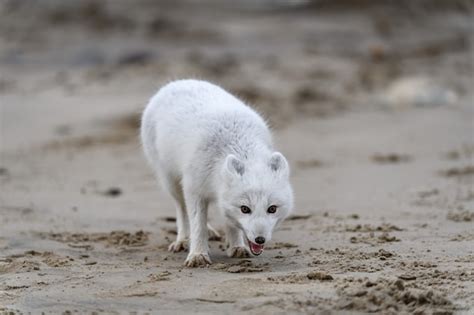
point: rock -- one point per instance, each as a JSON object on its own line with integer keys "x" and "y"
{"x": 417, "y": 92}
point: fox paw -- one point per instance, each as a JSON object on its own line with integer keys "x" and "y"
{"x": 238, "y": 252}
{"x": 197, "y": 260}
{"x": 178, "y": 246}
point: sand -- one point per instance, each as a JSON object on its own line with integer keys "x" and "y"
{"x": 384, "y": 188}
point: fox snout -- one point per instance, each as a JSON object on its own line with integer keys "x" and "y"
{"x": 259, "y": 232}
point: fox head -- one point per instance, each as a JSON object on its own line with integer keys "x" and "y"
{"x": 256, "y": 196}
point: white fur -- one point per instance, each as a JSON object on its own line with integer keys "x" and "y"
{"x": 206, "y": 146}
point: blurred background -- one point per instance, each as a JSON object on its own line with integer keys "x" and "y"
{"x": 289, "y": 58}
{"x": 371, "y": 102}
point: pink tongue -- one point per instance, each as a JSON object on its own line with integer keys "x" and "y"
{"x": 257, "y": 249}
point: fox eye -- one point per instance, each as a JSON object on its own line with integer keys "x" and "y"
{"x": 272, "y": 209}
{"x": 245, "y": 209}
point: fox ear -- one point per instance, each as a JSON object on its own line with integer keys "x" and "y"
{"x": 234, "y": 166}
{"x": 279, "y": 165}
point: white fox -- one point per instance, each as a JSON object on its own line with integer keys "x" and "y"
{"x": 206, "y": 146}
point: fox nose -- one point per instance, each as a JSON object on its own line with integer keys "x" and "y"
{"x": 260, "y": 240}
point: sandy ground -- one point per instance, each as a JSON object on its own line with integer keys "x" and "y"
{"x": 372, "y": 106}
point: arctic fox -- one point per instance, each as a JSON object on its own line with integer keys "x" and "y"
{"x": 208, "y": 147}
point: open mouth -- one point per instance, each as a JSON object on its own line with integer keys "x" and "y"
{"x": 255, "y": 248}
